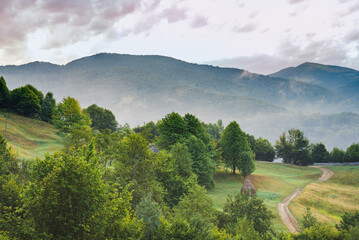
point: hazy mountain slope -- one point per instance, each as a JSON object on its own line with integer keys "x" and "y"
{"x": 145, "y": 88}
{"x": 150, "y": 75}
{"x": 344, "y": 81}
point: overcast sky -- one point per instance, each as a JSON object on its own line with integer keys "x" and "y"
{"x": 262, "y": 36}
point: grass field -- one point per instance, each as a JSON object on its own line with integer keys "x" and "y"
{"x": 29, "y": 138}
{"x": 273, "y": 182}
{"x": 329, "y": 200}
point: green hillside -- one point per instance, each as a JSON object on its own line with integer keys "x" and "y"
{"x": 29, "y": 138}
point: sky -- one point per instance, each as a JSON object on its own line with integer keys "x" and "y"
{"x": 261, "y": 36}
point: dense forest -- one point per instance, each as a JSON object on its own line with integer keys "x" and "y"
{"x": 149, "y": 182}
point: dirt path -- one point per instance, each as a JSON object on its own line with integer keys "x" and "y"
{"x": 284, "y": 212}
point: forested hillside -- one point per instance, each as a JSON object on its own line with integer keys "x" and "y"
{"x": 343, "y": 81}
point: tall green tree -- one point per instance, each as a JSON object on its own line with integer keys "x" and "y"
{"x": 25, "y": 101}
{"x": 65, "y": 194}
{"x": 48, "y": 107}
{"x": 4, "y": 93}
{"x": 172, "y": 129}
{"x": 337, "y": 155}
{"x": 101, "y": 118}
{"x": 250, "y": 207}
{"x": 234, "y": 144}
{"x": 352, "y": 153}
{"x": 293, "y": 147}
{"x": 202, "y": 163}
{"x": 264, "y": 150}
{"x": 319, "y": 153}
{"x": 69, "y": 114}
{"x": 247, "y": 165}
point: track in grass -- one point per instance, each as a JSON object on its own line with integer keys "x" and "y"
{"x": 283, "y": 210}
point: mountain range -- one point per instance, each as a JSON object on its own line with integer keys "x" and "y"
{"x": 143, "y": 88}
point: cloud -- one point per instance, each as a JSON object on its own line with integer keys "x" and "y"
{"x": 199, "y": 22}
{"x": 295, "y": 1}
{"x": 245, "y": 28}
{"x": 289, "y": 54}
{"x": 66, "y": 21}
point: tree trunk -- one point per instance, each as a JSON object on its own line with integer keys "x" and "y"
{"x": 234, "y": 169}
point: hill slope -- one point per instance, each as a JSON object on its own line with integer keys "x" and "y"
{"x": 155, "y": 85}
{"x": 344, "y": 81}
{"x": 30, "y": 138}
{"x": 139, "y": 89}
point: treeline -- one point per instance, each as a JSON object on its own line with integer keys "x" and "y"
{"x": 30, "y": 102}
{"x": 294, "y": 148}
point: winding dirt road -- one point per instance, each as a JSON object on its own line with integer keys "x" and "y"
{"x": 284, "y": 212}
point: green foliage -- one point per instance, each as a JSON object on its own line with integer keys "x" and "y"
{"x": 172, "y": 129}
{"x": 293, "y": 148}
{"x": 317, "y": 232}
{"x": 149, "y": 130}
{"x": 65, "y": 194}
{"x": 196, "y": 202}
{"x": 353, "y": 233}
{"x": 69, "y": 115}
{"x": 8, "y": 163}
{"x": 352, "y": 153}
{"x": 308, "y": 219}
{"x": 150, "y": 212}
{"x": 4, "y": 93}
{"x": 348, "y": 220}
{"x": 202, "y": 163}
{"x": 118, "y": 221}
{"x": 215, "y": 130}
{"x": 233, "y": 144}
{"x": 182, "y": 158}
{"x": 263, "y": 150}
{"x": 319, "y": 153}
{"x": 25, "y": 101}
{"x": 247, "y": 165}
{"x": 244, "y": 205}
{"x": 48, "y": 107}
{"x": 101, "y": 118}
{"x": 337, "y": 155}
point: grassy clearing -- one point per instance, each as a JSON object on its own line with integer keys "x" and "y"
{"x": 274, "y": 182}
{"x": 329, "y": 200}
{"x": 30, "y": 138}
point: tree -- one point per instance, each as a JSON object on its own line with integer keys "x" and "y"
{"x": 202, "y": 163}
{"x": 264, "y": 150}
{"x": 244, "y": 205}
{"x": 172, "y": 129}
{"x": 182, "y": 159}
{"x": 293, "y": 148}
{"x": 25, "y": 102}
{"x": 337, "y": 155}
{"x": 215, "y": 130}
{"x": 352, "y": 153}
{"x": 101, "y": 118}
{"x": 48, "y": 107}
{"x": 4, "y": 93}
{"x": 348, "y": 220}
{"x": 150, "y": 212}
{"x": 233, "y": 144}
{"x": 247, "y": 165}
{"x": 65, "y": 194}
{"x": 69, "y": 115}
{"x": 308, "y": 219}
{"x": 319, "y": 153}
{"x": 196, "y": 202}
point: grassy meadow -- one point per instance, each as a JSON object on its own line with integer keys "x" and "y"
{"x": 274, "y": 182}
{"x": 329, "y": 200}
{"x": 29, "y": 138}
